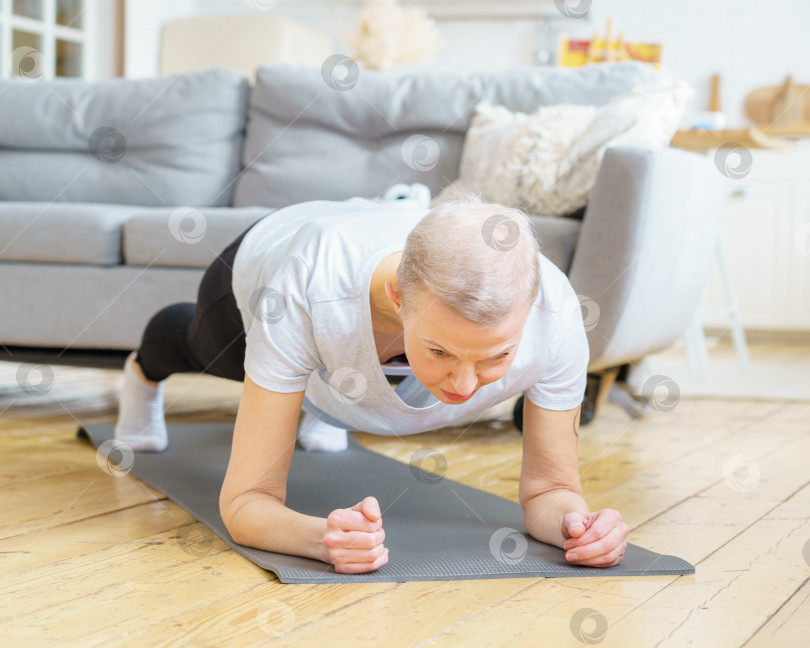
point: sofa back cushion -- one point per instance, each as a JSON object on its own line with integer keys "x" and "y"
{"x": 333, "y": 133}
{"x": 173, "y": 140}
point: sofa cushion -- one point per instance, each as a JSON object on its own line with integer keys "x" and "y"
{"x": 87, "y": 233}
{"x": 87, "y": 307}
{"x": 310, "y": 136}
{"x": 184, "y": 236}
{"x": 173, "y": 140}
{"x": 547, "y": 161}
{"x": 558, "y": 238}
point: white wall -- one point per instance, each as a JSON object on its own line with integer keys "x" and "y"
{"x": 509, "y": 42}
{"x": 750, "y": 42}
{"x": 144, "y": 20}
{"x": 106, "y": 45}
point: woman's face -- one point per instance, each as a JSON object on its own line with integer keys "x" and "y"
{"x": 453, "y": 358}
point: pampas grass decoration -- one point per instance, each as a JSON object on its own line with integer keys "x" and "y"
{"x": 389, "y": 34}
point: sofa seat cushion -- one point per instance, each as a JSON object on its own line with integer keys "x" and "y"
{"x": 184, "y": 236}
{"x": 85, "y": 233}
{"x": 87, "y": 307}
{"x": 558, "y": 238}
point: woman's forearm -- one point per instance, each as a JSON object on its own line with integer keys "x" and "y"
{"x": 543, "y": 514}
{"x": 261, "y": 521}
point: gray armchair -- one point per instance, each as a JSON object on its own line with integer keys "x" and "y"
{"x": 639, "y": 259}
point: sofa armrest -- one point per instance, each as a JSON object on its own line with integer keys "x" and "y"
{"x": 645, "y": 249}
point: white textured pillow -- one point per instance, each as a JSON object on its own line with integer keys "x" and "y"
{"x": 546, "y": 162}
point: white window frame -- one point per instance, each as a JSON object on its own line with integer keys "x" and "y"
{"x": 49, "y": 31}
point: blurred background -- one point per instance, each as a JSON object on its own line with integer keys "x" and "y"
{"x": 751, "y": 43}
{"x": 745, "y": 60}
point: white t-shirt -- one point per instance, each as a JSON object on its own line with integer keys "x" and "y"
{"x": 301, "y": 280}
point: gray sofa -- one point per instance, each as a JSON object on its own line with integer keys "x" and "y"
{"x": 116, "y": 195}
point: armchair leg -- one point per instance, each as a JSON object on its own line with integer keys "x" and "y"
{"x": 608, "y": 384}
{"x": 606, "y": 380}
{"x": 624, "y": 390}
{"x": 623, "y": 396}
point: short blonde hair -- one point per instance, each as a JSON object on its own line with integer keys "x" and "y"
{"x": 478, "y": 259}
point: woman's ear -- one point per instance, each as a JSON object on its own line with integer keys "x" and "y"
{"x": 393, "y": 295}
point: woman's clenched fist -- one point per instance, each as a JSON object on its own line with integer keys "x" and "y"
{"x": 354, "y": 538}
{"x": 596, "y": 539}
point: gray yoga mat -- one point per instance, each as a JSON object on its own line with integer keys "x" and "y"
{"x": 435, "y": 528}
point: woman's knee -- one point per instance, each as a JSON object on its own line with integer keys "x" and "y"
{"x": 171, "y": 320}
{"x": 164, "y": 344}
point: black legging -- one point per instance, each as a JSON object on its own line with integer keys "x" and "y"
{"x": 206, "y": 337}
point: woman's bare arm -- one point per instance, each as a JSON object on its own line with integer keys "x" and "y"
{"x": 253, "y": 493}
{"x": 549, "y": 478}
{"x": 251, "y": 501}
{"x": 550, "y": 492}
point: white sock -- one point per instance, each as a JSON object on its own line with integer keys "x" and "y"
{"x": 316, "y": 434}
{"x": 141, "y": 423}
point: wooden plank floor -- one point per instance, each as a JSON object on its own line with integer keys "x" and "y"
{"x": 88, "y": 559}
